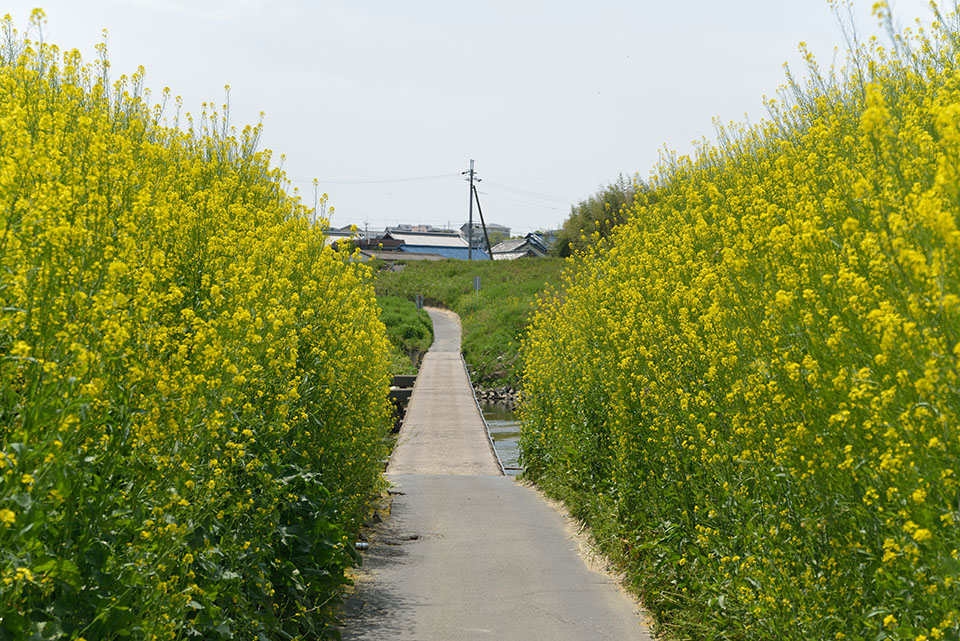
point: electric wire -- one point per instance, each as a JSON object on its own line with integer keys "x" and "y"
{"x": 551, "y": 200}
{"x": 375, "y": 181}
{"x": 527, "y": 192}
{"x": 525, "y": 202}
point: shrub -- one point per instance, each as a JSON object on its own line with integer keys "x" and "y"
{"x": 752, "y": 390}
{"x": 192, "y": 385}
{"x": 409, "y": 330}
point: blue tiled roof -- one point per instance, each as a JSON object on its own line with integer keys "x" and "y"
{"x": 447, "y": 252}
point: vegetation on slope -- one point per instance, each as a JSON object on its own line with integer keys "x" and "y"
{"x": 751, "y": 393}
{"x": 596, "y": 217}
{"x": 409, "y": 330}
{"x": 192, "y": 386}
{"x": 494, "y": 319}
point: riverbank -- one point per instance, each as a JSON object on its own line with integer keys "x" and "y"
{"x": 506, "y": 396}
{"x": 409, "y": 331}
{"x": 493, "y": 319}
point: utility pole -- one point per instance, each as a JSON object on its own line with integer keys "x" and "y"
{"x": 483, "y": 224}
{"x": 471, "y": 179}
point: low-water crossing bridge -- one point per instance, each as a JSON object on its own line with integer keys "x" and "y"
{"x": 468, "y": 553}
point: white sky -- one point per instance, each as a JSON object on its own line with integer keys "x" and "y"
{"x": 552, "y": 98}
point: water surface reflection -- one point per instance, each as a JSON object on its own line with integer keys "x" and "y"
{"x": 504, "y": 427}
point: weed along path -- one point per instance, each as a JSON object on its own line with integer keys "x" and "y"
{"x": 466, "y": 552}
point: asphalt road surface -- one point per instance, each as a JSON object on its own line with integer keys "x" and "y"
{"x": 467, "y": 553}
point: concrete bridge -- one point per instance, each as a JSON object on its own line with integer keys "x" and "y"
{"x": 467, "y": 553}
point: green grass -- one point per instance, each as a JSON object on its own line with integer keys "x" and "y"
{"x": 410, "y": 332}
{"x": 493, "y": 320}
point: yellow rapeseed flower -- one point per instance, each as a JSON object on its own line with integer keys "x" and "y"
{"x": 922, "y": 534}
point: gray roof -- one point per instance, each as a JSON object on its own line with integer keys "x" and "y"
{"x": 428, "y": 239}
{"x": 398, "y": 255}
{"x": 490, "y": 226}
{"x": 335, "y": 235}
{"x": 530, "y": 245}
{"x": 512, "y": 255}
{"x": 509, "y": 245}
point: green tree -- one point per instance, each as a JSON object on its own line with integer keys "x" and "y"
{"x": 599, "y": 214}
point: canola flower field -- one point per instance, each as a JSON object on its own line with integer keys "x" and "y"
{"x": 192, "y": 385}
{"x": 750, "y": 390}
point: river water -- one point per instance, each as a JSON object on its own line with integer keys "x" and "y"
{"x": 504, "y": 426}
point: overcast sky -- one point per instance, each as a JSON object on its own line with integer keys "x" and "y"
{"x": 386, "y": 101}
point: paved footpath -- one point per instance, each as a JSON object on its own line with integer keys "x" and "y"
{"x": 467, "y": 553}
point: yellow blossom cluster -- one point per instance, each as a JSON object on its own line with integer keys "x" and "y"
{"x": 753, "y": 388}
{"x": 192, "y": 383}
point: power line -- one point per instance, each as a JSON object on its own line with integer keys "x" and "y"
{"x": 525, "y": 202}
{"x": 374, "y": 181}
{"x": 528, "y": 192}
{"x": 436, "y": 223}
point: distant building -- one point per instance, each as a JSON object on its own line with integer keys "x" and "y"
{"x": 379, "y": 242}
{"x": 549, "y": 236}
{"x": 405, "y": 228}
{"x": 390, "y": 256}
{"x": 492, "y": 228}
{"x": 530, "y": 246}
{"x": 435, "y": 244}
{"x": 336, "y": 235}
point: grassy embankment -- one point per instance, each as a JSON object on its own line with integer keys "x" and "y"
{"x": 409, "y": 331}
{"x": 493, "y": 320}
{"x": 751, "y": 390}
{"x": 192, "y": 385}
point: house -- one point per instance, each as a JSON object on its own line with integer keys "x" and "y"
{"x": 436, "y": 244}
{"x": 493, "y": 230}
{"x": 405, "y": 227}
{"x": 347, "y": 233}
{"x": 391, "y": 256}
{"x": 549, "y": 236}
{"x": 380, "y": 243}
{"x": 531, "y": 245}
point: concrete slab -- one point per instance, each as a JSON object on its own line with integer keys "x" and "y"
{"x": 466, "y": 558}
{"x": 443, "y": 431}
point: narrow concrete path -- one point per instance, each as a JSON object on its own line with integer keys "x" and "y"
{"x": 443, "y": 432}
{"x": 467, "y": 553}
